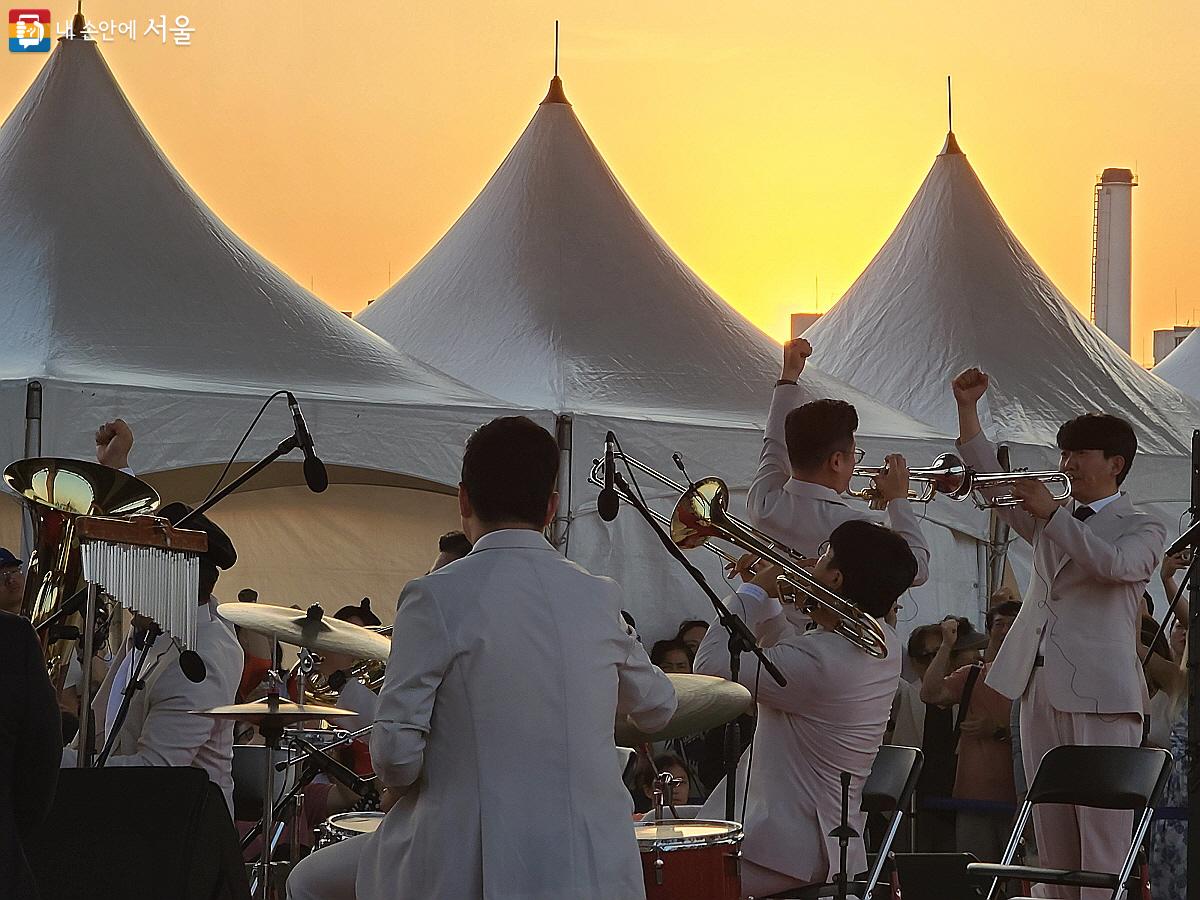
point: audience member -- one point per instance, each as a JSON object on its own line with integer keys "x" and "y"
{"x": 691, "y": 632}
{"x": 12, "y": 582}
{"x": 984, "y": 773}
{"x": 672, "y": 656}
{"x": 935, "y": 825}
{"x": 453, "y": 545}
{"x": 643, "y": 798}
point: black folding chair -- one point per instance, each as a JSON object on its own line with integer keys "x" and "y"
{"x": 887, "y": 791}
{"x": 1130, "y": 778}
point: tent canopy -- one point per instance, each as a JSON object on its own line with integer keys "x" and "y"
{"x": 953, "y": 287}
{"x": 123, "y": 294}
{"x": 553, "y": 291}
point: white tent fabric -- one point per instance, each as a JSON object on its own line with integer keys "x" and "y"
{"x": 953, "y": 287}
{"x": 1181, "y": 368}
{"x": 553, "y": 291}
{"x": 122, "y": 294}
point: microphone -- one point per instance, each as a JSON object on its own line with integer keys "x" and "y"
{"x": 608, "y": 503}
{"x": 1189, "y": 538}
{"x": 314, "y": 470}
{"x": 192, "y": 666}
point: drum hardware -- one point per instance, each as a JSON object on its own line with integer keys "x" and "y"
{"x": 342, "y": 826}
{"x": 271, "y": 715}
{"x": 663, "y": 788}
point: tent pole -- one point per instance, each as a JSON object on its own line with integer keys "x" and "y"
{"x": 33, "y": 447}
{"x": 560, "y": 533}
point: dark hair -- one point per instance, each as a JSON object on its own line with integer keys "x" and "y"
{"x": 1149, "y": 630}
{"x": 1111, "y": 435}
{"x": 661, "y": 648}
{"x": 362, "y": 612}
{"x": 916, "y": 640}
{"x": 817, "y": 430}
{"x": 248, "y": 595}
{"x": 509, "y": 470}
{"x": 688, "y": 625}
{"x": 1007, "y": 608}
{"x": 455, "y": 543}
{"x": 875, "y": 562}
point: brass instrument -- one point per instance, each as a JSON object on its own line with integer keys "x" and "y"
{"x": 1058, "y": 483}
{"x": 317, "y": 688}
{"x": 596, "y": 478}
{"x": 947, "y": 476}
{"x": 703, "y": 513}
{"x": 56, "y": 493}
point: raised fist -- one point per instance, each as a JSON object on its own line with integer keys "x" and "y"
{"x": 795, "y": 354}
{"x": 969, "y": 385}
{"x": 114, "y": 440}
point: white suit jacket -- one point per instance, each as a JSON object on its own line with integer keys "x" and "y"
{"x": 160, "y": 729}
{"x": 829, "y": 719}
{"x": 507, "y": 672}
{"x": 802, "y": 515}
{"x": 1081, "y": 608}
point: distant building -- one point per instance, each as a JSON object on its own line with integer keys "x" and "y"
{"x": 1167, "y": 339}
{"x": 1112, "y": 254}
{"x": 801, "y": 322}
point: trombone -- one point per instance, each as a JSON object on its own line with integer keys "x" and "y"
{"x": 946, "y": 476}
{"x": 702, "y": 512}
{"x": 731, "y": 559}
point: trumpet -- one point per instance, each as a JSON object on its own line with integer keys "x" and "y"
{"x": 702, "y": 513}
{"x": 947, "y": 476}
{"x": 982, "y": 484}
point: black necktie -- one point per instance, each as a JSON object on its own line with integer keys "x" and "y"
{"x": 1083, "y": 513}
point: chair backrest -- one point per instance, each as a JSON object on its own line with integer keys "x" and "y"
{"x": 1101, "y": 777}
{"x": 892, "y": 780}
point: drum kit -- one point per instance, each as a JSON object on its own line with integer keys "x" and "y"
{"x": 681, "y": 858}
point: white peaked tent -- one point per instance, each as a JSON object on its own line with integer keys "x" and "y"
{"x": 122, "y": 294}
{"x": 1182, "y": 367}
{"x": 953, "y": 287}
{"x": 553, "y": 291}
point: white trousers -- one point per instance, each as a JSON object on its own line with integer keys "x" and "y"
{"x": 1071, "y": 837}
{"x": 328, "y": 873}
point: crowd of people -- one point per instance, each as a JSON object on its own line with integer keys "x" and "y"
{"x": 492, "y": 728}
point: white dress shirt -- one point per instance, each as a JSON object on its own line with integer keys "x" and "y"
{"x": 829, "y": 719}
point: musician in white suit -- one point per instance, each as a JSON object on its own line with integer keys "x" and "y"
{"x": 829, "y": 719}
{"x": 1071, "y": 655}
{"x": 495, "y": 724}
{"x": 808, "y": 457}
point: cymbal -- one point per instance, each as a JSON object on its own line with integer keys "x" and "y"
{"x": 278, "y": 713}
{"x": 704, "y": 702}
{"x": 312, "y": 629}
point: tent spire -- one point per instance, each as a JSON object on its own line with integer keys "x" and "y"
{"x": 78, "y": 25}
{"x": 951, "y": 145}
{"x": 556, "y": 94}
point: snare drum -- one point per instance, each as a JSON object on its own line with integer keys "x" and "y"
{"x": 346, "y": 825}
{"x": 690, "y": 859}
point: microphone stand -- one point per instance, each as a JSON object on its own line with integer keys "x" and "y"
{"x": 134, "y": 685}
{"x": 741, "y": 638}
{"x": 285, "y": 447}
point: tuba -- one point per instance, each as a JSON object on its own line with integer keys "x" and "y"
{"x": 56, "y": 492}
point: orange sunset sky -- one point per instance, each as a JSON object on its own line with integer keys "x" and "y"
{"x": 773, "y": 144}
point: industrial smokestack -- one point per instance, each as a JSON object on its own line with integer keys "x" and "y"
{"x": 1111, "y": 255}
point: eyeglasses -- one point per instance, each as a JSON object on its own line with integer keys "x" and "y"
{"x": 859, "y": 455}
{"x": 823, "y": 549}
